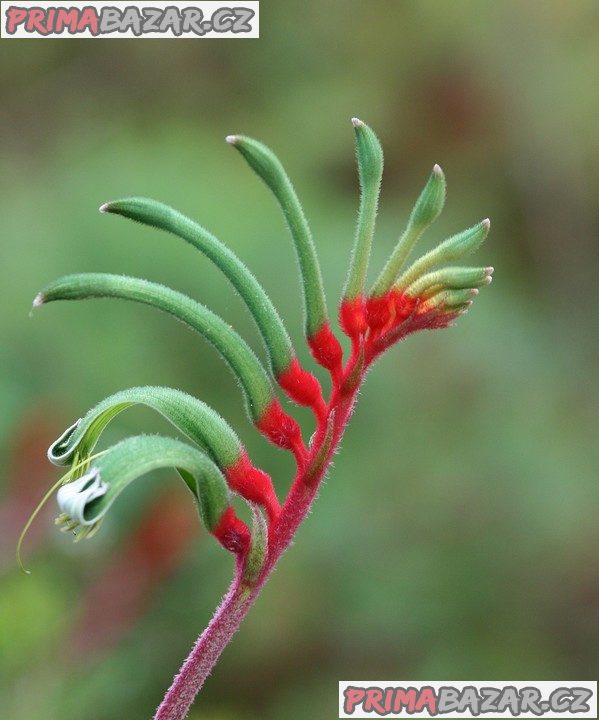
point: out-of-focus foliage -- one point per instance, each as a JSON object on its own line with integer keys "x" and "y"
{"x": 457, "y": 534}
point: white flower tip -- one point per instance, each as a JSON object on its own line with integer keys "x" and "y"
{"x": 356, "y": 122}
{"x": 232, "y": 139}
{"x": 489, "y": 270}
{"x": 437, "y": 170}
{"x": 487, "y": 223}
{"x": 474, "y": 292}
{"x": 104, "y": 207}
{"x": 38, "y": 300}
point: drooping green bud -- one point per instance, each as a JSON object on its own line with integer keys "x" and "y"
{"x": 450, "y": 250}
{"x": 151, "y": 212}
{"x": 252, "y": 376}
{"x": 191, "y": 416}
{"x": 452, "y": 277}
{"x": 268, "y": 167}
{"x": 369, "y": 154}
{"x": 85, "y": 501}
{"x": 425, "y": 212}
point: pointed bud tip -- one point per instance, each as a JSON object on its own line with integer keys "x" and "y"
{"x": 473, "y": 292}
{"x": 356, "y": 122}
{"x": 232, "y": 139}
{"x": 38, "y": 300}
{"x": 437, "y": 171}
{"x": 489, "y": 270}
{"x": 487, "y": 223}
{"x": 104, "y": 208}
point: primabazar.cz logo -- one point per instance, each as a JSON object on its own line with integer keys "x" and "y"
{"x": 151, "y": 19}
{"x": 470, "y": 699}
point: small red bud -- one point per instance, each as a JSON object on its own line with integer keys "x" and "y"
{"x": 380, "y": 311}
{"x": 282, "y": 430}
{"x": 352, "y": 317}
{"x": 301, "y": 386}
{"x": 232, "y": 533}
{"x": 326, "y": 349}
{"x": 254, "y": 485}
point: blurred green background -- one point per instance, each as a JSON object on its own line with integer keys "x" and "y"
{"x": 456, "y": 536}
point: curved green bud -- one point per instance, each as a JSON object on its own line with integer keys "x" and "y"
{"x": 448, "y": 251}
{"x": 369, "y": 154}
{"x": 85, "y": 501}
{"x": 452, "y": 298}
{"x": 195, "y": 419}
{"x": 268, "y": 167}
{"x": 425, "y": 212}
{"x": 156, "y": 214}
{"x": 252, "y": 376}
{"x": 452, "y": 277}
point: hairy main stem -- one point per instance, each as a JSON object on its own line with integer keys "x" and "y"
{"x": 241, "y": 596}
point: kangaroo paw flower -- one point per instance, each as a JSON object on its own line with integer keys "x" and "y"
{"x": 431, "y": 293}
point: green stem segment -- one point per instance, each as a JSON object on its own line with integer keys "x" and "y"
{"x": 156, "y": 214}
{"x": 369, "y": 154}
{"x": 268, "y": 167}
{"x": 252, "y": 376}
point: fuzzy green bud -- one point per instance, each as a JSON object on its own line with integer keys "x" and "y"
{"x": 191, "y": 416}
{"x": 252, "y": 376}
{"x": 157, "y": 214}
{"x": 424, "y": 213}
{"x": 452, "y": 277}
{"x": 369, "y": 154}
{"x": 269, "y": 168}
{"x": 85, "y": 501}
{"x": 448, "y": 251}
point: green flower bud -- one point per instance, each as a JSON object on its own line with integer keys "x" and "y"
{"x": 150, "y": 212}
{"x": 256, "y": 385}
{"x": 85, "y": 501}
{"x": 268, "y": 167}
{"x": 452, "y": 277}
{"x": 425, "y": 212}
{"x": 448, "y": 251}
{"x": 369, "y": 154}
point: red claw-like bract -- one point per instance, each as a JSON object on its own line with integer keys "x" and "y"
{"x": 326, "y": 349}
{"x": 232, "y": 533}
{"x": 282, "y": 430}
{"x": 352, "y": 317}
{"x": 302, "y": 387}
{"x": 254, "y": 485}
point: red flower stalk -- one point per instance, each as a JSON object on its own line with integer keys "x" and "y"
{"x": 400, "y": 303}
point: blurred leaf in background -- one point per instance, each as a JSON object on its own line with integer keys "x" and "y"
{"x": 457, "y": 534}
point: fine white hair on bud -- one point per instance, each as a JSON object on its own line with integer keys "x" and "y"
{"x": 231, "y": 139}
